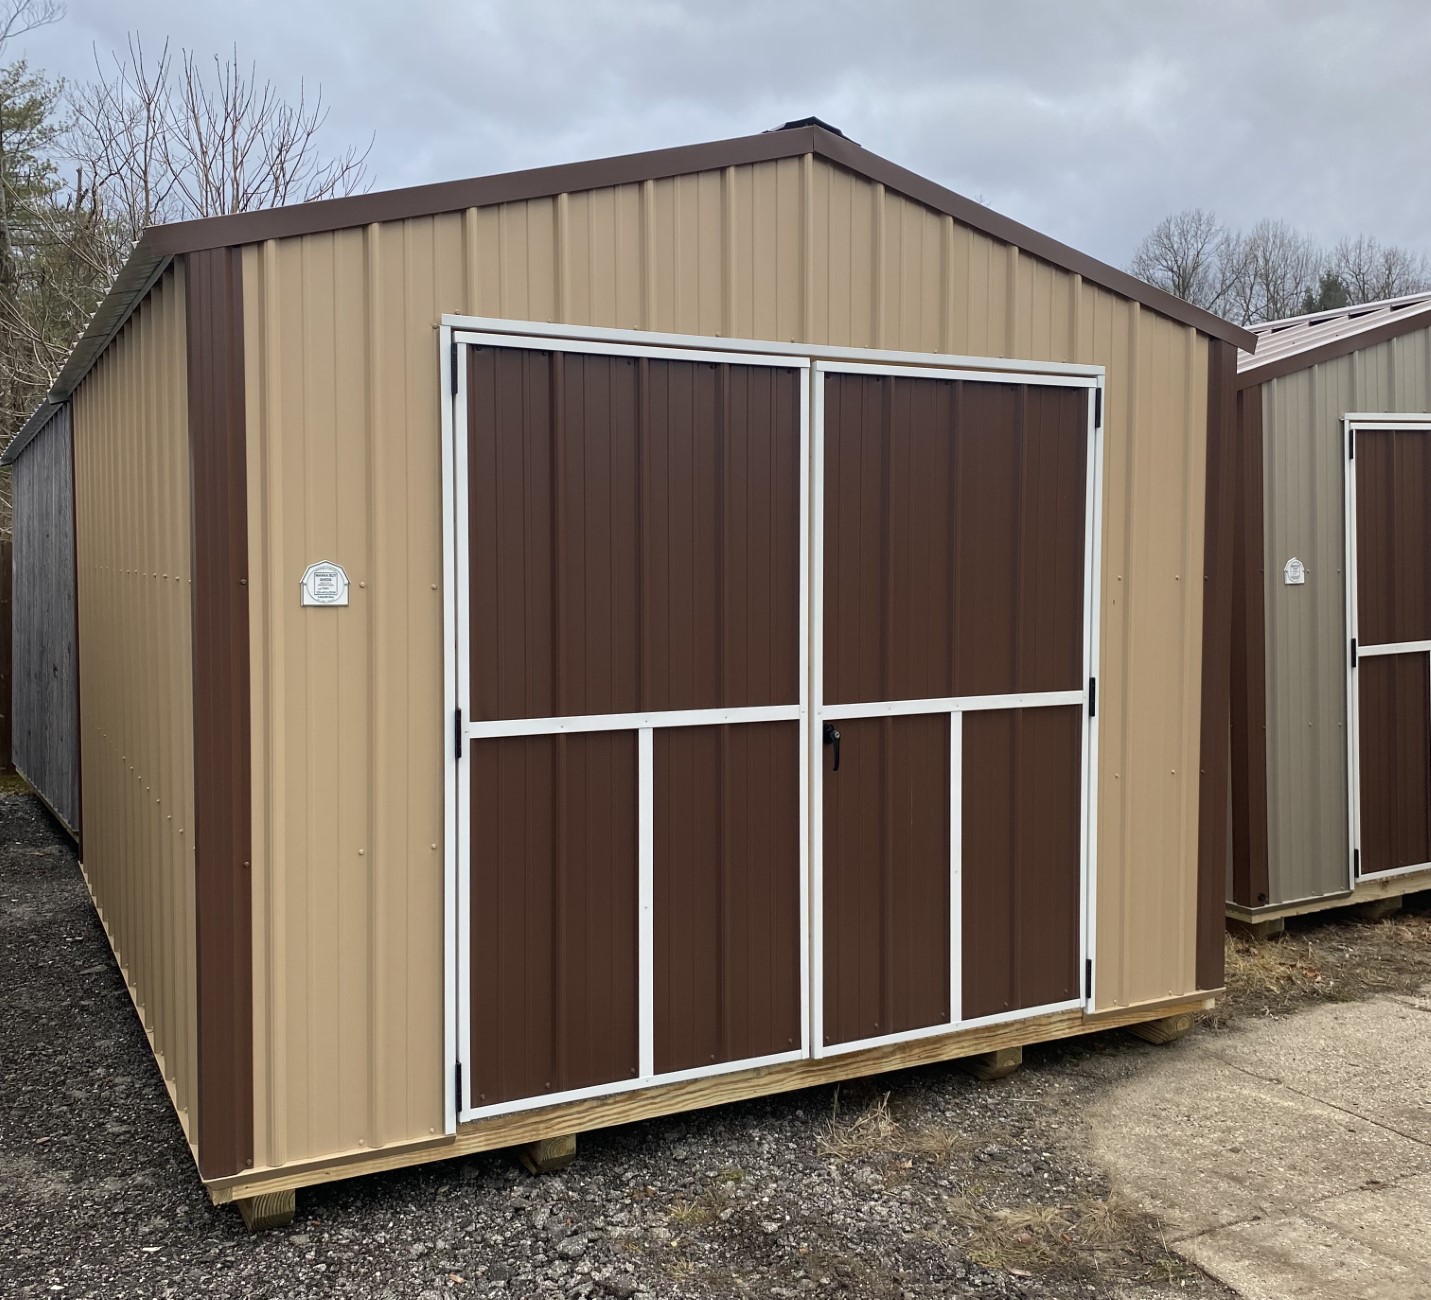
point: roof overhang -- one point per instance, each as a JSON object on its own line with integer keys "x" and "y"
{"x": 160, "y": 244}
{"x": 137, "y": 276}
{"x": 1358, "y": 334}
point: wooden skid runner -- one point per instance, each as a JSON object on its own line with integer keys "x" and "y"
{"x": 1264, "y": 922}
{"x": 535, "y": 1126}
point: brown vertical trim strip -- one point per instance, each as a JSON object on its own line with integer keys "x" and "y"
{"x": 222, "y": 774}
{"x": 1250, "y": 886}
{"x": 1216, "y": 662}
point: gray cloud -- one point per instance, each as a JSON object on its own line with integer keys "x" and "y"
{"x": 1087, "y": 120}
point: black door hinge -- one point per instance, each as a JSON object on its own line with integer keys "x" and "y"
{"x": 1092, "y": 697}
{"x": 457, "y": 732}
{"x": 1088, "y": 978}
{"x": 1351, "y": 444}
{"x": 1353, "y": 652}
{"x": 1097, "y": 408}
{"x": 1356, "y": 864}
{"x": 458, "y": 1094}
{"x": 452, "y": 368}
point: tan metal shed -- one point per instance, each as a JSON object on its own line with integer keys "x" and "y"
{"x": 1331, "y": 721}
{"x": 595, "y": 642}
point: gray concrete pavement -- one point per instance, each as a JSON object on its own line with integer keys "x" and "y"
{"x": 1291, "y": 1157}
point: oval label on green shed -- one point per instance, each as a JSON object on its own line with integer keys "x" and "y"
{"x": 324, "y": 583}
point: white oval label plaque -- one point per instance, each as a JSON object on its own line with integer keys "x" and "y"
{"x": 324, "y": 583}
{"x": 1294, "y": 573}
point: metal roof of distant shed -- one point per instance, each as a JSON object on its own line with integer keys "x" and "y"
{"x": 158, "y": 245}
{"x": 1285, "y": 346}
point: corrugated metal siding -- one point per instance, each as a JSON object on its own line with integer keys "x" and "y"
{"x": 1395, "y": 761}
{"x": 1023, "y": 774}
{"x": 343, "y": 409}
{"x": 45, "y": 687}
{"x": 727, "y": 893}
{"x": 886, "y": 886}
{"x": 1303, "y": 470}
{"x": 131, "y": 449}
{"x": 553, "y": 914}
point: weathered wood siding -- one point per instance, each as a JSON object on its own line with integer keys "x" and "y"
{"x": 45, "y": 676}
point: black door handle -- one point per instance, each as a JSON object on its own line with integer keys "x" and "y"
{"x": 832, "y": 737}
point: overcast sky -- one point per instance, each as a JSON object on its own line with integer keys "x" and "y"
{"x": 1087, "y": 119}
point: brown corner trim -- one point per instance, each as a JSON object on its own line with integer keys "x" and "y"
{"x": 1407, "y": 322}
{"x": 658, "y": 164}
{"x": 1250, "y": 884}
{"x": 223, "y": 902}
{"x": 1216, "y": 661}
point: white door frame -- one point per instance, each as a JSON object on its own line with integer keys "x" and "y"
{"x": 955, "y": 708}
{"x": 455, "y": 331}
{"x": 455, "y": 342}
{"x": 1352, "y": 424}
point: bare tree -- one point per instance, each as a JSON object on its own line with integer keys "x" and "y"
{"x": 1372, "y": 270}
{"x": 1185, "y": 254}
{"x": 165, "y": 140}
{"x": 1278, "y": 267}
{"x": 20, "y": 16}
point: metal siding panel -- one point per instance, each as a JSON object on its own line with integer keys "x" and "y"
{"x": 553, "y": 914}
{"x": 344, "y": 465}
{"x": 727, "y": 893}
{"x": 576, "y": 461}
{"x": 886, "y": 878}
{"x": 45, "y": 688}
{"x": 131, "y": 426}
{"x": 1020, "y": 875}
{"x": 1394, "y": 695}
{"x": 1393, "y": 577}
{"x": 954, "y": 541}
{"x": 1303, "y": 475}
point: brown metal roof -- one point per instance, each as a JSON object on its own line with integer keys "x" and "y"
{"x": 1285, "y": 346}
{"x": 159, "y": 244}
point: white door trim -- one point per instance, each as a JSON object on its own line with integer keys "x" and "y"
{"x": 954, "y": 707}
{"x": 455, "y": 343}
{"x": 1352, "y": 424}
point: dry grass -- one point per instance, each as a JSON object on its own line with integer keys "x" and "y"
{"x": 1327, "y": 958}
{"x": 1087, "y": 1239}
{"x": 874, "y": 1132}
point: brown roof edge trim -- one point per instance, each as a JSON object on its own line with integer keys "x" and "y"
{"x": 477, "y": 192}
{"x": 1403, "y": 323}
{"x": 223, "y": 901}
{"x": 630, "y": 169}
{"x": 1215, "y": 720}
{"x": 970, "y": 213}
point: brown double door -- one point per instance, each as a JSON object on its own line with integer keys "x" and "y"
{"x": 634, "y": 741}
{"x": 953, "y": 670}
{"x": 1392, "y": 660}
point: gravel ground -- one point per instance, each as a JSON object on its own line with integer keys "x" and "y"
{"x": 925, "y": 1183}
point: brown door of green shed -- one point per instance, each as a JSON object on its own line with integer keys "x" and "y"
{"x": 952, "y": 700}
{"x": 1392, "y": 671}
{"x": 634, "y": 622}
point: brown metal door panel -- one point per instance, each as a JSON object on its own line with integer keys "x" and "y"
{"x": 721, "y": 535}
{"x": 1393, "y": 535}
{"x": 1394, "y": 698}
{"x": 954, "y": 538}
{"x": 886, "y": 878}
{"x": 553, "y": 914}
{"x": 634, "y": 534}
{"x": 727, "y": 893}
{"x": 1020, "y": 865}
